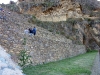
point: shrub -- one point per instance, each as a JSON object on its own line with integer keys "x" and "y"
{"x": 24, "y": 58}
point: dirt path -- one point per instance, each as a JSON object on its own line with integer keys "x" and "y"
{"x": 96, "y": 67}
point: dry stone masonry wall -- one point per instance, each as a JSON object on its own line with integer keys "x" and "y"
{"x": 45, "y": 50}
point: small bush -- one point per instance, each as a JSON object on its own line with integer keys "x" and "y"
{"x": 24, "y": 58}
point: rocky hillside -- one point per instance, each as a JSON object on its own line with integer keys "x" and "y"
{"x": 63, "y": 36}
{"x": 44, "y": 47}
{"x": 84, "y": 14}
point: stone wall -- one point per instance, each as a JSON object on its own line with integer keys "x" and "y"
{"x": 45, "y": 50}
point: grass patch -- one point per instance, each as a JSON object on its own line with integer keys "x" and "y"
{"x": 79, "y": 65}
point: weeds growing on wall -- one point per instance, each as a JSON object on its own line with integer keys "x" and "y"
{"x": 24, "y": 58}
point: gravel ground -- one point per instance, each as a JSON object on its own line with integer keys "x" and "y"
{"x": 96, "y": 67}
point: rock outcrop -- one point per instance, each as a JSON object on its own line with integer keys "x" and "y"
{"x": 7, "y": 66}
{"x": 60, "y": 12}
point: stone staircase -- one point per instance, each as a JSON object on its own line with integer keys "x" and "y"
{"x": 44, "y": 47}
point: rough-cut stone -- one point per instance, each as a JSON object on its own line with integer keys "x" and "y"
{"x": 50, "y": 50}
{"x": 7, "y": 66}
{"x": 64, "y": 10}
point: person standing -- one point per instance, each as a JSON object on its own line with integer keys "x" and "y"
{"x": 34, "y": 31}
{"x": 26, "y": 31}
{"x": 30, "y": 31}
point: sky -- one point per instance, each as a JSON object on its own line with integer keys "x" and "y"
{"x": 6, "y": 1}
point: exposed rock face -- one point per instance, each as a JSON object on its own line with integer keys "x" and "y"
{"x": 84, "y": 32}
{"x": 95, "y": 33}
{"x": 64, "y": 9}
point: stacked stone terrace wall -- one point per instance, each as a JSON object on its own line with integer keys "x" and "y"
{"x": 45, "y": 50}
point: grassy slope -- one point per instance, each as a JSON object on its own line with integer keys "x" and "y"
{"x": 79, "y": 65}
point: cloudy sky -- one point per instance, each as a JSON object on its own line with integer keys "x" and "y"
{"x": 6, "y": 1}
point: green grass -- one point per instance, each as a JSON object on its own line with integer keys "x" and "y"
{"x": 79, "y": 65}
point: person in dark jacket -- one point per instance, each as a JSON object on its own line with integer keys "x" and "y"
{"x": 30, "y": 30}
{"x": 34, "y": 31}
